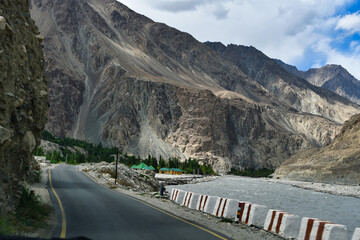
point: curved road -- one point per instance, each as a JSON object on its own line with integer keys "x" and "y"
{"x": 96, "y": 212}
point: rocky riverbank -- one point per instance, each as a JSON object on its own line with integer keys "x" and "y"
{"x": 169, "y": 179}
{"x": 335, "y": 189}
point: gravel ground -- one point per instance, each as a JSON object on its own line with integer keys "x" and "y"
{"x": 342, "y": 190}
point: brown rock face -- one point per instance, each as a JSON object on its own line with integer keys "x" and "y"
{"x": 118, "y": 78}
{"x": 293, "y": 89}
{"x": 23, "y": 97}
{"x": 339, "y": 162}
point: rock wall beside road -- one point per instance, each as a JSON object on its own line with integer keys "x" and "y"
{"x": 23, "y": 98}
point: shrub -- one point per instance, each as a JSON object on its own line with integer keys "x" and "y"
{"x": 29, "y": 214}
{"x": 251, "y": 172}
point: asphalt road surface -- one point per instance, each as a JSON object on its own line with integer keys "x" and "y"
{"x": 96, "y": 212}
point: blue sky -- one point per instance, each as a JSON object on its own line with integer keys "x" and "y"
{"x": 304, "y": 33}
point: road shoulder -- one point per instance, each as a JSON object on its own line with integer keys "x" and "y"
{"x": 41, "y": 189}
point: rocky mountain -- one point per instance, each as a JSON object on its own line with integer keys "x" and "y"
{"x": 23, "y": 98}
{"x": 332, "y": 77}
{"x": 288, "y": 87}
{"x": 119, "y": 78}
{"x": 339, "y": 162}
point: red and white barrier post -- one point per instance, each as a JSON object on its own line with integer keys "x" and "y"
{"x": 356, "y": 235}
{"x": 202, "y": 201}
{"x": 180, "y": 197}
{"x": 174, "y": 193}
{"x": 251, "y": 214}
{"x": 206, "y": 203}
{"x": 225, "y": 207}
{"x": 314, "y": 229}
{"x": 282, "y": 223}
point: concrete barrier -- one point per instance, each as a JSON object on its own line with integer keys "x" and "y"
{"x": 313, "y": 229}
{"x": 180, "y": 197}
{"x": 210, "y": 204}
{"x": 174, "y": 193}
{"x": 206, "y": 203}
{"x": 190, "y": 200}
{"x": 177, "y": 195}
{"x": 200, "y": 205}
{"x": 225, "y": 207}
{"x": 356, "y": 235}
{"x": 282, "y": 223}
{"x": 251, "y": 214}
{"x": 187, "y": 198}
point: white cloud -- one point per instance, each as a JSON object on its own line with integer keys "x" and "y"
{"x": 350, "y": 23}
{"x": 283, "y": 29}
{"x": 350, "y": 61}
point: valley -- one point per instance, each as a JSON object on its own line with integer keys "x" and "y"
{"x": 120, "y": 79}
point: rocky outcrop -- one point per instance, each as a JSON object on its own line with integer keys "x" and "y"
{"x": 287, "y": 86}
{"x": 332, "y": 77}
{"x": 118, "y": 78}
{"x": 137, "y": 180}
{"x": 336, "y": 163}
{"x": 23, "y": 98}
{"x": 51, "y": 147}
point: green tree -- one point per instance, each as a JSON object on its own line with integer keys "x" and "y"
{"x": 39, "y": 151}
{"x": 162, "y": 163}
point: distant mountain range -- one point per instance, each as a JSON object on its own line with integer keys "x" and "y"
{"x": 331, "y": 77}
{"x": 290, "y": 88}
{"x": 118, "y": 78}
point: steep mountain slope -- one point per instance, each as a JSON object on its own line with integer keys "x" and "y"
{"x": 287, "y": 87}
{"x": 23, "y": 99}
{"x": 118, "y": 78}
{"x": 332, "y": 77}
{"x": 338, "y": 162}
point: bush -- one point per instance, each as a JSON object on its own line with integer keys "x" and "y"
{"x": 226, "y": 220}
{"x": 29, "y": 214}
{"x": 251, "y": 172}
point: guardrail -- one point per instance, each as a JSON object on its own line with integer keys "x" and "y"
{"x": 276, "y": 221}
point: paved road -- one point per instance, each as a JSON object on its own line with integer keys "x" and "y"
{"x": 95, "y": 212}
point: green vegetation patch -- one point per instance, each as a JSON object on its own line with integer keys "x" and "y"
{"x": 30, "y": 214}
{"x": 95, "y": 153}
{"x": 226, "y": 220}
{"x": 98, "y": 153}
{"x": 251, "y": 172}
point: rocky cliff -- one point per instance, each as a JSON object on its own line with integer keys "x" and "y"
{"x": 332, "y": 77}
{"x": 339, "y": 162}
{"x": 23, "y": 97}
{"x": 118, "y": 78}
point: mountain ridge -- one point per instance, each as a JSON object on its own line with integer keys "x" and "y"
{"x": 291, "y": 89}
{"x": 332, "y": 77}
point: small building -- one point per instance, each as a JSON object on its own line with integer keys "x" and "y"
{"x": 174, "y": 171}
{"x": 164, "y": 171}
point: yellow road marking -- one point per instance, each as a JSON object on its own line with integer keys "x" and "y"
{"x": 63, "y": 218}
{"x": 160, "y": 210}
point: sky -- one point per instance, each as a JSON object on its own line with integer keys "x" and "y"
{"x": 303, "y": 33}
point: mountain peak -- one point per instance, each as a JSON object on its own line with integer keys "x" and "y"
{"x": 332, "y": 77}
